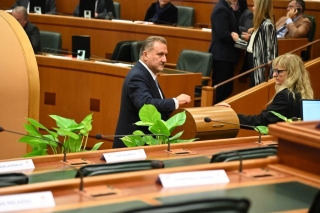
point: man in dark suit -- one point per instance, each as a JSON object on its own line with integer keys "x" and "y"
{"x": 162, "y": 12}
{"x": 20, "y": 13}
{"x": 294, "y": 24}
{"x": 225, "y": 55}
{"x": 50, "y": 5}
{"x": 101, "y": 10}
{"x": 140, "y": 87}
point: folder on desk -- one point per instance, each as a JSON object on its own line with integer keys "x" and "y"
{"x": 81, "y": 42}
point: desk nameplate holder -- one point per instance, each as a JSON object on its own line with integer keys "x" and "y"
{"x": 181, "y": 152}
{"x": 261, "y": 174}
{"x": 96, "y": 192}
{"x": 77, "y": 162}
{"x": 268, "y": 143}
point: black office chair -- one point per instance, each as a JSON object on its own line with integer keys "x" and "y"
{"x": 51, "y": 42}
{"x": 111, "y": 168}
{"x": 315, "y": 206}
{"x": 305, "y": 55}
{"x": 122, "y": 51}
{"x": 13, "y": 179}
{"x": 185, "y": 16}
{"x": 135, "y": 50}
{"x": 221, "y": 205}
{"x": 196, "y": 61}
{"x": 244, "y": 154}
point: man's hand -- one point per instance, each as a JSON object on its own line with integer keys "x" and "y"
{"x": 183, "y": 99}
{"x": 292, "y": 13}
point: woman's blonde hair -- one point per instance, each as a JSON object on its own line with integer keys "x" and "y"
{"x": 298, "y": 77}
{"x": 263, "y": 9}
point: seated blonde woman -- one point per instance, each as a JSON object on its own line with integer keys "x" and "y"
{"x": 292, "y": 85}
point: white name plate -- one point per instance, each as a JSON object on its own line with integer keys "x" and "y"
{"x": 193, "y": 178}
{"x": 16, "y": 165}
{"x": 26, "y": 201}
{"x": 138, "y": 154}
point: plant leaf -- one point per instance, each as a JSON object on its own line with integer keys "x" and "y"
{"x": 33, "y": 153}
{"x": 279, "y": 115}
{"x": 37, "y": 124}
{"x": 141, "y": 123}
{"x": 32, "y": 130}
{"x": 160, "y": 127}
{"x": 36, "y": 142}
{"x": 176, "y": 120}
{"x": 263, "y": 129}
{"x": 149, "y": 113}
{"x": 176, "y": 136}
{"x": 64, "y": 123}
{"x": 97, "y": 146}
{"x": 63, "y": 132}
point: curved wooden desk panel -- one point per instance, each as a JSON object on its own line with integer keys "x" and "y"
{"x": 19, "y": 85}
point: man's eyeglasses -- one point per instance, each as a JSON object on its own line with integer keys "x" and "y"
{"x": 277, "y": 71}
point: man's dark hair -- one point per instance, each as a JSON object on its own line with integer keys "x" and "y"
{"x": 302, "y": 4}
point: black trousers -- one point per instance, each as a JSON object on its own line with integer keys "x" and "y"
{"x": 222, "y": 71}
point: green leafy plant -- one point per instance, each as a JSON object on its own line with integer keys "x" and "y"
{"x": 265, "y": 130}
{"x": 150, "y": 117}
{"x": 75, "y": 136}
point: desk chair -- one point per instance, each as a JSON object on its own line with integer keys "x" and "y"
{"x": 117, "y": 9}
{"x": 122, "y": 51}
{"x": 51, "y": 42}
{"x": 305, "y": 55}
{"x": 221, "y": 205}
{"x": 185, "y": 16}
{"x": 196, "y": 61}
{"x": 245, "y": 154}
{"x": 13, "y": 179}
{"x": 315, "y": 206}
{"x": 111, "y": 168}
{"x": 135, "y": 50}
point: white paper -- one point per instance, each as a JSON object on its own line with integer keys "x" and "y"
{"x": 26, "y": 201}
{"x": 138, "y": 154}
{"x": 16, "y": 165}
{"x": 193, "y": 178}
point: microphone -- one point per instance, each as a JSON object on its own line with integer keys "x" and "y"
{"x": 100, "y": 136}
{"x": 208, "y": 120}
{"x": 43, "y": 138}
{"x": 162, "y": 22}
{"x": 80, "y": 173}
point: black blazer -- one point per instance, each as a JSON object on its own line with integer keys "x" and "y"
{"x": 101, "y": 9}
{"x": 282, "y": 103}
{"x": 223, "y": 22}
{"x": 50, "y": 5}
{"x": 170, "y": 16}
{"x": 34, "y": 36}
{"x": 138, "y": 89}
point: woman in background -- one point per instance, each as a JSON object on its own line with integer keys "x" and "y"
{"x": 292, "y": 84}
{"x": 162, "y": 12}
{"x": 262, "y": 46}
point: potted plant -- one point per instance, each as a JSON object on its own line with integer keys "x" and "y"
{"x": 149, "y": 116}
{"x": 75, "y": 136}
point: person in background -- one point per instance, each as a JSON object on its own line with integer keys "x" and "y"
{"x": 262, "y": 46}
{"x": 101, "y": 10}
{"x": 140, "y": 87}
{"x": 292, "y": 83}
{"x": 243, "y": 15}
{"x": 32, "y": 31}
{"x": 294, "y": 25}
{"x": 50, "y": 5}
{"x": 162, "y": 12}
{"x": 225, "y": 55}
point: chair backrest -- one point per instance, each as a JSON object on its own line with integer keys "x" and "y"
{"x": 305, "y": 55}
{"x": 315, "y": 206}
{"x": 135, "y": 50}
{"x": 111, "y": 168}
{"x": 117, "y": 9}
{"x": 185, "y": 16}
{"x": 221, "y": 205}
{"x": 122, "y": 51}
{"x": 244, "y": 154}
{"x": 51, "y": 42}
{"x": 196, "y": 61}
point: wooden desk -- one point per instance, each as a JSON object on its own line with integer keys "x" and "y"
{"x": 286, "y": 186}
{"x": 74, "y": 89}
{"x": 106, "y": 34}
{"x": 49, "y": 168}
